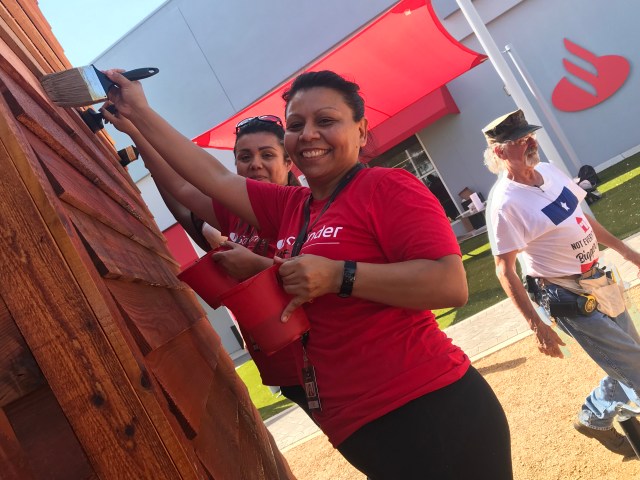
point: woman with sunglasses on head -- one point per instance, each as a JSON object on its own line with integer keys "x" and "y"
{"x": 367, "y": 253}
{"x": 259, "y": 155}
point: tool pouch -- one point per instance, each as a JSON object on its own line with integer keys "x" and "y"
{"x": 607, "y": 292}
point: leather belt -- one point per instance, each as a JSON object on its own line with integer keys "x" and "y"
{"x": 578, "y": 276}
{"x": 588, "y": 274}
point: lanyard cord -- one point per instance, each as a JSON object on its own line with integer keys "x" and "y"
{"x": 297, "y": 246}
{"x": 248, "y": 231}
{"x": 300, "y": 239}
{"x": 261, "y": 246}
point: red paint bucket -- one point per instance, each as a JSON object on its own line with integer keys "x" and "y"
{"x": 208, "y": 279}
{"x": 258, "y": 303}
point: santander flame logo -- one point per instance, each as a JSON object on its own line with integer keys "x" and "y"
{"x": 611, "y": 73}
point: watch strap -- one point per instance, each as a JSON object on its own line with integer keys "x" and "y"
{"x": 348, "y": 278}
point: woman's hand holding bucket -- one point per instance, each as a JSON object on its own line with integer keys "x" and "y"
{"x": 258, "y": 303}
{"x": 240, "y": 262}
{"x": 307, "y": 277}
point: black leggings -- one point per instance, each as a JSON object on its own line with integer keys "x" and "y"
{"x": 459, "y": 432}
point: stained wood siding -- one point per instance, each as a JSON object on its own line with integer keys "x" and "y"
{"x": 109, "y": 368}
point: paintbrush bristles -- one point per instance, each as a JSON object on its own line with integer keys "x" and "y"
{"x": 71, "y": 88}
{"x": 84, "y": 86}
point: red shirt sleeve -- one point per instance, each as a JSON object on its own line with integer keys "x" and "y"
{"x": 409, "y": 221}
{"x": 270, "y": 202}
{"x": 225, "y": 218}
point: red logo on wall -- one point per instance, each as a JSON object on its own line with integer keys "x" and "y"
{"x": 611, "y": 71}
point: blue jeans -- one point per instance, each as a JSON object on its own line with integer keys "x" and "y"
{"x": 614, "y": 344}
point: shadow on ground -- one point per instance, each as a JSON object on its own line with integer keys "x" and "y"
{"x": 500, "y": 367}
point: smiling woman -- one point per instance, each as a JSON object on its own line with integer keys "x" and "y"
{"x": 259, "y": 150}
{"x": 324, "y": 135}
{"x": 367, "y": 252}
{"x": 260, "y": 156}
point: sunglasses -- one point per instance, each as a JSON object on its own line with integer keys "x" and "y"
{"x": 262, "y": 118}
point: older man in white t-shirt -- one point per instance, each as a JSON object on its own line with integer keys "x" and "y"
{"x": 534, "y": 210}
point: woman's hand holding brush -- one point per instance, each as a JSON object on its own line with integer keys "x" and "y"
{"x": 129, "y": 97}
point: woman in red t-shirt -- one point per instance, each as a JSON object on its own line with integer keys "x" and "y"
{"x": 259, "y": 155}
{"x": 367, "y": 252}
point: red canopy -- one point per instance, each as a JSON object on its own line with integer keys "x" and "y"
{"x": 398, "y": 60}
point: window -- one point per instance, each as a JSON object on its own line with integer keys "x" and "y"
{"x": 410, "y": 156}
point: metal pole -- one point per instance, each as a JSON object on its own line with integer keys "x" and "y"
{"x": 509, "y": 79}
{"x": 544, "y": 105}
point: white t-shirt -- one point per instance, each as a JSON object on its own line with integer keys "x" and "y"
{"x": 545, "y": 223}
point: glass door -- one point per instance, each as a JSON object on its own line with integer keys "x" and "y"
{"x": 410, "y": 156}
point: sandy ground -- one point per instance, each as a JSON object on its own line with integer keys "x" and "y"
{"x": 541, "y": 397}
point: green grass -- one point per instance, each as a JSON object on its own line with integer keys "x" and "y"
{"x": 267, "y": 404}
{"x": 484, "y": 288}
{"x": 617, "y": 211}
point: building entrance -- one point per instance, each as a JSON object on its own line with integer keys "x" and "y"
{"x": 410, "y": 156}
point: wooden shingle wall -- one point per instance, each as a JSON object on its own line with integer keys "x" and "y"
{"x": 108, "y": 366}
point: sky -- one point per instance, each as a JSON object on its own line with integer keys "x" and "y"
{"x": 83, "y": 34}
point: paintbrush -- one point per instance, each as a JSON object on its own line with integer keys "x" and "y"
{"x": 83, "y": 86}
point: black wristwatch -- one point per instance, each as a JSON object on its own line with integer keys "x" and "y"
{"x": 348, "y": 277}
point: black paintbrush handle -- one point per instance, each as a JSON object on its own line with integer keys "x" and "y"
{"x": 136, "y": 74}
{"x": 93, "y": 119}
{"x": 140, "y": 73}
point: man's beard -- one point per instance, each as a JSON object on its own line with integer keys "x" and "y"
{"x": 532, "y": 158}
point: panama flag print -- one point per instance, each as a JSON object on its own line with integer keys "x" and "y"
{"x": 562, "y": 207}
